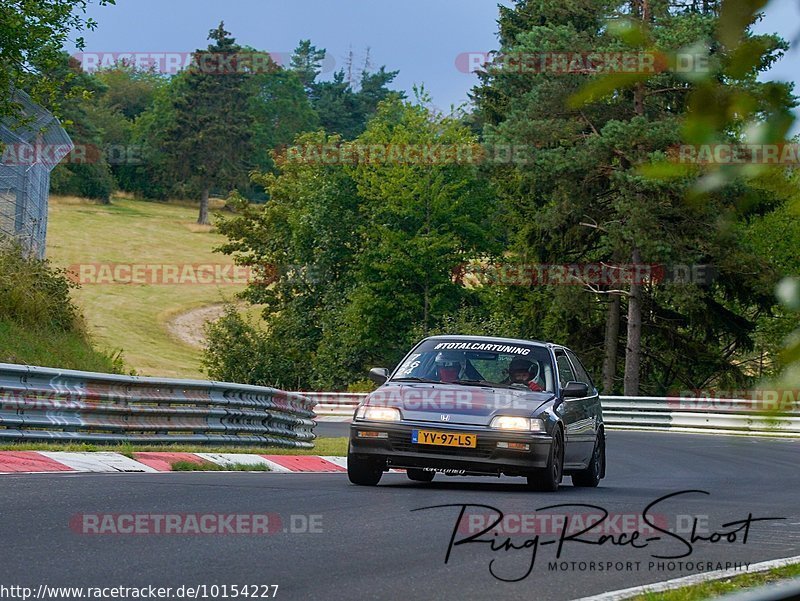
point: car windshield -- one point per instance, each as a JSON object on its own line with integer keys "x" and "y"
{"x": 475, "y": 363}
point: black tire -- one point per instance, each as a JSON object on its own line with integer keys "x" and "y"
{"x": 363, "y": 471}
{"x": 590, "y": 477}
{"x": 548, "y": 479}
{"x": 419, "y": 475}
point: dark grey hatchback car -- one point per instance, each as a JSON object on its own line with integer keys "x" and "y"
{"x": 475, "y": 405}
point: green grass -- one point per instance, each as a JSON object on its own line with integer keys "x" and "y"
{"x": 134, "y": 317}
{"x": 336, "y": 447}
{"x": 188, "y": 466}
{"x": 707, "y": 590}
{"x": 68, "y": 350}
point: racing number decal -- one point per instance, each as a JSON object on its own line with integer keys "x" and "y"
{"x": 409, "y": 366}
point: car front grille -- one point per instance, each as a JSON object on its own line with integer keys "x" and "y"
{"x": 402, "y": 444}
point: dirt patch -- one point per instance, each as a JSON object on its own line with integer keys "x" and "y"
{"x": 189, "y": 327}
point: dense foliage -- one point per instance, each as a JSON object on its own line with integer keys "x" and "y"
{"x": 593, "y": 183}
{"x": 359, "y": 257}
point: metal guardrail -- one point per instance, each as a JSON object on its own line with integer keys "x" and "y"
{"x": 713, "y": 415}
{"x": 42, "y": 404}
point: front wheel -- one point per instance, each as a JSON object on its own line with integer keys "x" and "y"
{"x": 363, "y": 471}
{"x": 419, "y": 475}
{"x": 590, "y": 477}
{"x": 548, "y": 479}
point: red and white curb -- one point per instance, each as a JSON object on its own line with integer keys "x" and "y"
{"x": 57, "y": 461}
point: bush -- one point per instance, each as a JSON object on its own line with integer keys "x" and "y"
{"x": 87, "y": 180}
{"x": 39, "y": 324}
{"x": 32, "y": 293}
{"x": 236, "y": 350}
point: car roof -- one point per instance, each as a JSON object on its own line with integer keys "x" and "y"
{"x": 491, "y": 339}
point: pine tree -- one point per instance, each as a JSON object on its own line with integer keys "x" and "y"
{"x": 208, "y": 144}
{"x": 582, "y": 196}
{"x": 306, "y": 61}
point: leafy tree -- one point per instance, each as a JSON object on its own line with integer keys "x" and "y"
{"x": 279, "y": 109}
{"x": 31, "y": 41}
{"x": 129, "y": 90}
{"x": 302, "y": 244}
{"x": 362, "y": 255}
{"x": 85, "y": 172}
{"x": 422, "y": 220}
{"x": 153, "y": 177}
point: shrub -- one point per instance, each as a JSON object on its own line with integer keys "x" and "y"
{"x": 33, "y": 293}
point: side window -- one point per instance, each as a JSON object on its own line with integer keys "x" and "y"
{"x": 580, "y": 373}
{"x": 565, "y": 373}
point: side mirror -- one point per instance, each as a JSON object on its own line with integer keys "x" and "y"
{"x": 379, "y": 375}
{"x": 575, "y": 390}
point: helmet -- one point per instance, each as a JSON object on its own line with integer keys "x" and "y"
{"x": 518, "y": 364}
{"x": 448, "y": 366}
{"x": 530, "y": 368}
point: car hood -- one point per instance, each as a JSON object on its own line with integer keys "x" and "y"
{"x": 457, "y": 404}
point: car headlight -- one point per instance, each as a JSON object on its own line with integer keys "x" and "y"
{"x": 511, "y": 422}
{"x": 380, "y": 414}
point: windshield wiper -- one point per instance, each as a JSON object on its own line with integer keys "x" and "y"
{"x": 415, "y": 379}
{"x": 476, "y": 383}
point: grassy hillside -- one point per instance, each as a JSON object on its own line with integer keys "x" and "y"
{"x": 47, "y": 348}
{"x": 39, "y": 322}
{"x": 135, "y": 317}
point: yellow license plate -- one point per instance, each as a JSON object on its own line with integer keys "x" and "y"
{"x": 444, "y": 439}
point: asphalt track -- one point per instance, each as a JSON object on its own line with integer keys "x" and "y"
{"x": 373, "y": 546}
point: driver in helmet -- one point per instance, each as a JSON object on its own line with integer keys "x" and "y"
{"x": 449, "y": 366}
{"x": 524, "y": 371}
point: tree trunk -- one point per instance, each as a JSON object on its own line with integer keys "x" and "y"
{"x": 202, "y": 219}
{"x": 633, "y": 349}
{"x": 426, "y": 309}
{"x": 611, "y": 343}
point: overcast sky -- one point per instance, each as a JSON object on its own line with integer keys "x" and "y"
{"x": 420, "y": 38}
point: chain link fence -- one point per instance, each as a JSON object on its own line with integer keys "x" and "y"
{"x": 32, "y": 144}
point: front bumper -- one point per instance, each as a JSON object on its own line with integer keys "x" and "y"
{"x": 397, "y": 450}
